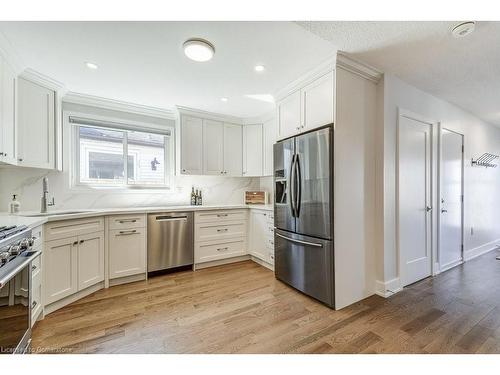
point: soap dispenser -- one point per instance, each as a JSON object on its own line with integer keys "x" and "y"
{"x": 14, "y": 205}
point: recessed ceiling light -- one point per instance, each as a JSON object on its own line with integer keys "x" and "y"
{"x": 259, "y": 68}
{"x": 463, "y": 29}
{"x": 91, "y": 65}
{"x": 224, "y": 99}
{"x": 198, "y": 49}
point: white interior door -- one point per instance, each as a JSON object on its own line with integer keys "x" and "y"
{"x": 450, "y": 235}
{"x": 414, "y": 181}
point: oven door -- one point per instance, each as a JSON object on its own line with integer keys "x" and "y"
{"x": 15, "y": 332}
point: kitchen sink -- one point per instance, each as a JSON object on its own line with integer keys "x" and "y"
{"x": 57, "y": 213}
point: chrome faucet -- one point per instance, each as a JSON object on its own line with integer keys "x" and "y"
{"x": 45, "y": 196}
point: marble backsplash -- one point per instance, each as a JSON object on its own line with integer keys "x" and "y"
{"x": 27, "y": 184}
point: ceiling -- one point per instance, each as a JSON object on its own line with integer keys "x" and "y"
{"x": 463, "y": 71}
{"x": 143, "y": 62}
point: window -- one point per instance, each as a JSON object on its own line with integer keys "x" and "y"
{"x": 115, "y": 155}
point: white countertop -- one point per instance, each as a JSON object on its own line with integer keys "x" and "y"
{"x": 20, "y": 219}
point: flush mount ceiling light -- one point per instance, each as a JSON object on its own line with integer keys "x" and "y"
{"x": 223, "y": 99}
{"x": 259, "y": 68}
{"x": 198, "y": 49}
{"x": 463, "y": 29}
{"x": 91, "y": 65}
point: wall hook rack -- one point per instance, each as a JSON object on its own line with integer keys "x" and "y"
{"x": 485, "y": 160}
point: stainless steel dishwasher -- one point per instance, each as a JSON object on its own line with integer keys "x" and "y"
{"x": 170, "y": 240}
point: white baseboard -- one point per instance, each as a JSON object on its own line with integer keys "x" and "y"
{"x": 262, "y": 263}
{"x": 450, "y": 265}
{"x": 480, "y": 250}
{"x": 388, "y": 288}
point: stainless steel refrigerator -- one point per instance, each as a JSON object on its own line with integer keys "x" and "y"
{"x": 303, "y": 213}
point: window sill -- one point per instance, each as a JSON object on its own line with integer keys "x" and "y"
{"x": 140, "y": 189}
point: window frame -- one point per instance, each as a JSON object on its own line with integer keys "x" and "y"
{"x": 168, "y": 152}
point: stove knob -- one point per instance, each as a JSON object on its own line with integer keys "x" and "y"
{"x": 4, "y": 257}
{"x": 24, "y": 244}
{"x": 31, "y": 241}
{"x": 14, "y": 249}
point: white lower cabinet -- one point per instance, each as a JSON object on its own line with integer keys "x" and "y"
{"x": 36, "y": 276}
{"x": 262, "y": 235}
{"x": 90, "y": 259}
{"x": 127, "y": 252}
{"x": 74, "y": 262}
{"x": 219, "y": 235}
{"x": 60, "y": 269}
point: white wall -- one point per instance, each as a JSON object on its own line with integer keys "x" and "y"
{"x": 481, "y": 194}
{"x": 27, "y": 182}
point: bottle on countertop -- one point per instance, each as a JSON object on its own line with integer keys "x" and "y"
{"x": 196, "y": 197}
{"x": 14, "y": 205}
{"x": 200, "y": 199}
{"x": 193, "y": 197}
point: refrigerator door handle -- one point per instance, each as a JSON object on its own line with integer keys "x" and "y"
{"x": 298, "y": 195}
{"x": 292, "y": 186}
{"x": 299, "y": 241}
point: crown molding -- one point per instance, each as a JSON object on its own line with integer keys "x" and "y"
{"x": 118, "y": 105}
{"x": 355, "y": 66}
{"x": 42, "y": 79}
{"x": 209, "y": 115}
{"x": 10, "y": 55}
{"x": 326, "y": 66}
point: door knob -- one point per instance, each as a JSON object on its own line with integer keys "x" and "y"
{"x": 428, "y": 208}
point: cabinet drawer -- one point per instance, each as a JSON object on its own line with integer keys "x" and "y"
{"x": 36, "y": 266}
{"x": 38, "y": 234}
{"x": 220, "y": 250}
{"x": 127, "y": 221}
{"x": 70, "y": 228}
{"x": 220, "y": 216}
{"x": 209, "y": 231}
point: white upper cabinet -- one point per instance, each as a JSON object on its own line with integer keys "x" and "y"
{"x": 36, "y": 125}
{"x": 213, "y": 147}
{"x": 269, "y": 137}
{"x": 7, "y": 113}
{"x": 312, "y": 106}
{"x": 317, "y": 102}
{"x": 252, "y": 150}
{"x": 233, "y": 150}
{"x": 191, "y": 145}
{"x": 289, "y": 115}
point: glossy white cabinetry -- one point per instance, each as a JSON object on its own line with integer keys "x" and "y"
{"x": 289, "y": 115}
{"x": 219, "y": 235}
{"x": 233, "y": 150}
{"x": 261, "y": 244}
{"x": 126, "y": 245}
{"x": 309, "y": 107}
{"x": 317, "y": 102}
{"x": 269, "y": 138}
{"x": 90, "y": 259}
{"x": 213, "y": 147}
{"x": 35, "y": 125}
{"x": 191, "y": 139}
{"x": 73, "y": 257}
{"x": 252, "y": 150}
{"x": 36, "y": 276}
{"x": 7, "y": 113}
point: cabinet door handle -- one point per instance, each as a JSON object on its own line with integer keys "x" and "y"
{"x": 82, "y": 241}
{"x": 20, "y": 159}
{"x": 2, "y": 154}
{"x": 33, "y": 305}
{"x": 33, "y": 267}
{"x": 222, "y": 248}
{"x": 222, "y": 230}
{"x": 127, "y": 232}
{"x": 221, "y": 215}
{"x": 127, "y": 221}
{"x": 75, "y": 243}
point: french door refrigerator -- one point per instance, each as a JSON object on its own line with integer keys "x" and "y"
{"x": 303, "y": 213}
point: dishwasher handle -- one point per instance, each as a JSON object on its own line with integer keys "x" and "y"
{"x": 171, "y": 218}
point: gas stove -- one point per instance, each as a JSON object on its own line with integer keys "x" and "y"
{"x": 14, "y": 240}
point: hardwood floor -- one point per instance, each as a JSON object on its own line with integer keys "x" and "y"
{"x": 242, "y": 308}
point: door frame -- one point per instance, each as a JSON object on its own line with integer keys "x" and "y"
{"x": 439, "y": 189}
{"x": 434, "y": 126}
